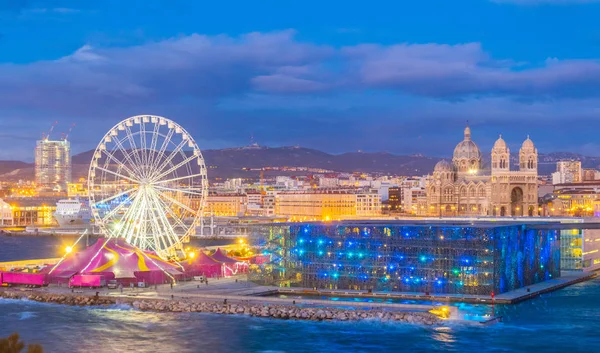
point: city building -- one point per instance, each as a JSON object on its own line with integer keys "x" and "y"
{"x": 327, "y": 204}
{"x": 464, "y": 188}
{"x": 590, "y": 175}
{"x": 254, "y": 204}
{"x": 233, "y": 184}
{"x": 574, "y": 199}
{"x": 6, "y": 216}
{"x": 269, "y": 205}
{"x": 77, "y": 190}
{"x": 567, "y": 172}
{"x": 395, "y": 199}
{"x": 329, "y": 182}
{"x": 288, "y": 183}
{"x": 32, "y": 211}
{"x": 368, "y": 204}
{"x": 481, "y": 258}
{"x": 414, "y": 196}
{"x": 53, "y": 164}
{"x": 591, "y": 250}
{"x": 21, "y": 189}
{"x": 231, "y": 205}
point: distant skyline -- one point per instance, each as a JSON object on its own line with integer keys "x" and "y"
{"x": 399, "y": 77}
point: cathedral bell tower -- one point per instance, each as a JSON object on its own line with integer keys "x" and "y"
{"x": 500, "y": 156}
{"x": 528, "y": 156}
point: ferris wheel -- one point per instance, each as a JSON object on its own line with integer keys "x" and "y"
{"x": 147, "y": 184}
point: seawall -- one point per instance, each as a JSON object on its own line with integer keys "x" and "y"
{"x": 289, "y": 312}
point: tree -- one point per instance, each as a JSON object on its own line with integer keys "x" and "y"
{"x": 13, "y": 344}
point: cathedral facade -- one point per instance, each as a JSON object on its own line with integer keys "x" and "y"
{"x": 464, "y": 187}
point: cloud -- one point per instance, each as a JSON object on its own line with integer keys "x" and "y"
{"x": 65, "y": 10}
{"x": 384, "y": 96}
{"x": 196, "y": 66}
{"x": 199, "y": 67}
{"x": 455, "y": 71}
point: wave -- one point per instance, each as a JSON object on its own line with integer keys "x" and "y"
{"x": 24, "y": 301}
{"x": 114, "y": 307}
{"x": 27, "y": 315}
{"x": 6, "y": 301}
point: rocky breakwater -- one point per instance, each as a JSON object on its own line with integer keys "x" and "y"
{"x": 286, "y": 312}
{"x": 66, "y": 299}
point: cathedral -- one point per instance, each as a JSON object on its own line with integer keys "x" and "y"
{"x": 465, "y": 188}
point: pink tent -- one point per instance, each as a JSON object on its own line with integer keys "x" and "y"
{"x": 203, "y": 265}
{"x": 230, "y": 266}
{"x": 116, "y": 259}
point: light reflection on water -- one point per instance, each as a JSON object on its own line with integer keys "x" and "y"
{"x": 566, "y": 320}
{"x": 468, "y": 311}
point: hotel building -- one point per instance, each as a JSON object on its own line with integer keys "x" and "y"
{"x": 53, "y": 165}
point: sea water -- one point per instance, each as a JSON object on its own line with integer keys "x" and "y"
{"x": 567, "y": 320}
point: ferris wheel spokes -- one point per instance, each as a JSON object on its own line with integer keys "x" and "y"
{"x": 155, "y": 136}
{"x": 170, "y": 157}
{"x": 126, "y": 155}
{"x": 179, "y": 178}
{"x": 174, "y": 168}
{"x": 178, "y": 203}
{"x": 169, "y": 230}
{"x": 119, "y": 163}
{"x": 184, "y": 190}
{"x": 118, "y": 174}
{"x": 134, "y": 149}
{"x": 121, "y": 205}
{"x": 161, "y": 152}
{"x": 122, "y": 193}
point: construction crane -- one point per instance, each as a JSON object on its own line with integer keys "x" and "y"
{"x": 66, "y": 136}
{"x": 47, "y": 136}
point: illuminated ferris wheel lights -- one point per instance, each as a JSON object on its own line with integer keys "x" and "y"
{"x": 144, "y": 177}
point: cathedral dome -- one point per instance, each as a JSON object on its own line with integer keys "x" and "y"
{"x": 443, "y": 166}
{"x": 528, "y": 144}
{"x": 467, "y": 149}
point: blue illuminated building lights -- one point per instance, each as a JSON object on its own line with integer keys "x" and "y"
{"x": 401, "y": 257}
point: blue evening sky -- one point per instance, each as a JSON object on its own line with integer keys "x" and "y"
{"x": 396, "y": 76}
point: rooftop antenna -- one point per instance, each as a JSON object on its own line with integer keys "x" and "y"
{"x": 49, "y": 131}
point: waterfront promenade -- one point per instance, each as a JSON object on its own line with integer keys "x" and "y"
{"x": 512, "y": 297}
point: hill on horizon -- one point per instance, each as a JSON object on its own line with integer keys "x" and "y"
{"x": 234, "y": 162}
